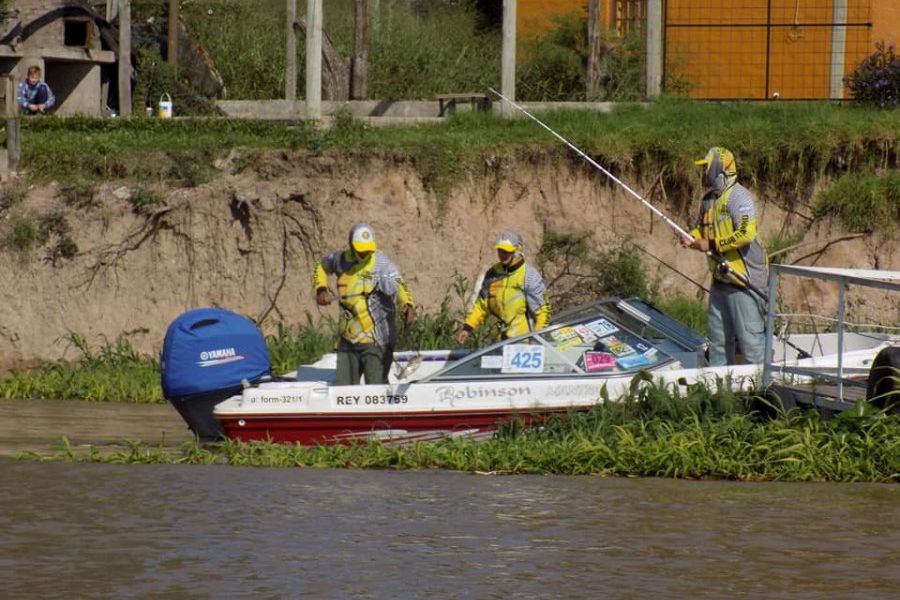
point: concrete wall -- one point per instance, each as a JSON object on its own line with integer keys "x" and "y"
{"x": 363, "y": 109}
{"x": 77, "y": 87}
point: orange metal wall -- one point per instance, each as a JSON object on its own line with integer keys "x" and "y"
{"x": 886, "y": 21}
{"x": 534, "y": 16}
{"x": 730, "y": 62}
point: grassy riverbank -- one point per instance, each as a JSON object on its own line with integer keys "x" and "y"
{"x": 783, "y": 146}
{"x": 704, "y": 435}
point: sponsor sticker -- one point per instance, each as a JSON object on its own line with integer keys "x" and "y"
{"x": 616, "y": 346}
{"x": 563, "y": 334}
{"x": 633, "y": 361}
{"x": 586, "y": 334}
{"x": 601, "y": 327}
{"x": 644, "y": 348}
{"x": 598, "y": 361}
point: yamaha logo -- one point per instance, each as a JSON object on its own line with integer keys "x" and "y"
{"x": 220, "y": 353}
{"x": 209, "y": 358}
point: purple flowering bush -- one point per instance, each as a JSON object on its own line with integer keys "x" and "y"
{"x": 876, "y": 81}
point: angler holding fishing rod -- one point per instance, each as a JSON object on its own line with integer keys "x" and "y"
{"x": 726, "y": 232}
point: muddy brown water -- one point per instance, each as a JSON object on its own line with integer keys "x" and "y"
{"x": 183, "y": 531}
{"x": 40, "y": 425}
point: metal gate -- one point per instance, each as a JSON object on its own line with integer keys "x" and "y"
{"x": 764, "y": 49}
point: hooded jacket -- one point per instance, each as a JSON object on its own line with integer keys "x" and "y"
{"x": 516, "y": 295}
{"x": 728, "y": 220}
{"x": 367, "y": 292}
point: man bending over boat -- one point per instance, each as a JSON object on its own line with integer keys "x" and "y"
{"x": 726, "y": 231}
{"x": 369, "y": 286}
{"x": 512, "y": 290}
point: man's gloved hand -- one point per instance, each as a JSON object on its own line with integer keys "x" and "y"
{"x": 701, "y": 244}
{"x": 324, "y": 297}
{"x": 409, "y": 313}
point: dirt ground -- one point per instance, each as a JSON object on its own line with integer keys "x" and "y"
{"x": 247, "y": 242}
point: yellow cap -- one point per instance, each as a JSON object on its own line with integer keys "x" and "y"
{"x": 509, "y": 241}
{"x": 362, "y": 238}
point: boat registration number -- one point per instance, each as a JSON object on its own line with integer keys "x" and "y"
{"x": 523, "y": 358}
{"x": 372, "y": 400}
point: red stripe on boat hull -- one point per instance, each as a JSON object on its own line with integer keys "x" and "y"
{"x": 322, "y": 428}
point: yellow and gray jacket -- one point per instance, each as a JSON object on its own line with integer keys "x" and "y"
{"x": 728, "y": 220}
{"x": 516, "y": 295}
{"x": 367, "y": 292}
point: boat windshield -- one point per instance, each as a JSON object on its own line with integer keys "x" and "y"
{"x": 602, "y": 339}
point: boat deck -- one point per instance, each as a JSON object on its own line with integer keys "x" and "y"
{"x": 821, "y": 395}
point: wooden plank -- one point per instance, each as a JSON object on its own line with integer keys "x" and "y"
{"x": 472, "y": 96}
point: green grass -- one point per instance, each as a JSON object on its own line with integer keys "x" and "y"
{"x": 863, "y": 202}
{"x": 780, "y": 148}
{"x": 655, "y": 433}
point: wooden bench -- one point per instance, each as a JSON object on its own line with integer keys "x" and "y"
{"x": 447, "y": 102}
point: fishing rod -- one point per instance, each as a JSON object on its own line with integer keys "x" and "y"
{"x": 718, "y": 258}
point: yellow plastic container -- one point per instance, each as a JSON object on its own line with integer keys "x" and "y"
{"x": 165, "y": 107}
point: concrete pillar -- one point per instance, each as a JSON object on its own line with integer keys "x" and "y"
{"x": 838, "y": 47}
{"x": 290, "y": 52}
{"x": 508, "y": 57}
{"x": 125, "y": 58}
{"x": 172, "y": 50}
{"x": 313, "y": 59}
{"x": 654, "y": 58}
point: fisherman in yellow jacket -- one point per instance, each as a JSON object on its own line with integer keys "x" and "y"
{"x": 512, "y": 290}
{"x": 369, "y": 286}
{"x": 727, "y": 230}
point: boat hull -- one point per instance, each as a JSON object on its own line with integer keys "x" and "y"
{"x": 399, "y": 427}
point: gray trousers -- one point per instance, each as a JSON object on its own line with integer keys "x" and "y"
{"x": 357, "y": 360}
{"x": 735, "y": 313}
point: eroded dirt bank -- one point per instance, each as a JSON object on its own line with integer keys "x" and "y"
{"x": 247, "y": 242}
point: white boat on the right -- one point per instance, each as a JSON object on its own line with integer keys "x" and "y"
{"x": 842, "y": 367}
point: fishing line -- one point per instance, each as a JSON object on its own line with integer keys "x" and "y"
{"x": 684, "y": 234}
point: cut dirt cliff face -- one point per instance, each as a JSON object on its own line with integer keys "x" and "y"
{"x": 134, "y": 261}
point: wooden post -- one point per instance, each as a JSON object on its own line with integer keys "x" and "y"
{"x": 112, "y": 10}
{"x": 172, "y": 50}
{"x": 594, "y": 76}
{"x": 654, "y": 47}
{"x": 508, "y": 57}
{"x": 313, "y": 59}
{"x": 290, "y": 52}
{"x": 124, "y": 57}
{"x": 13, "y": 150}
{"x": 359, "y": 65}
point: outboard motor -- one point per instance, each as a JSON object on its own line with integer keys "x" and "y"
{"x": 207, "y": 354}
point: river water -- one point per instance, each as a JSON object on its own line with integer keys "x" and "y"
{"x": 178, "y": 531}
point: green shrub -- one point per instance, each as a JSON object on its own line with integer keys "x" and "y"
{"x": 12, "y": 195}
{"x": 23, "y": 233}
{"x": 876, "y": 81}
{"x": 862, "y": 202}
{"x": 576, "y": 272}
{"x": 690, "y": 311}
{"x": 143, "y": 200}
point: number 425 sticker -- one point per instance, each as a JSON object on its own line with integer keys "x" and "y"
{"x": 523, "y": 358}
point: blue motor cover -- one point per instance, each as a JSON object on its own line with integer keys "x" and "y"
{"x": 209, "y": 349}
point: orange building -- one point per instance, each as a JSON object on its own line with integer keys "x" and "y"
{"x": 753, "y": 49}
